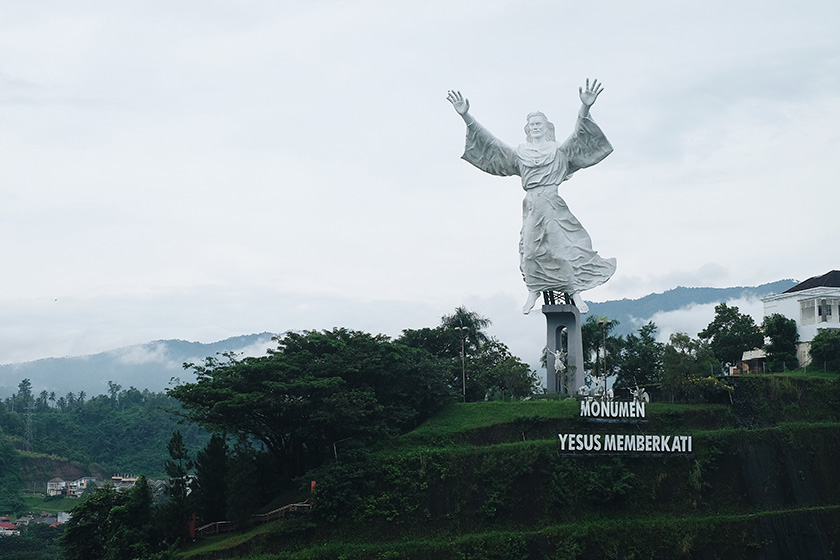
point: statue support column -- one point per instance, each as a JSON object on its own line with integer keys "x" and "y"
{"x": 558, "y": 318}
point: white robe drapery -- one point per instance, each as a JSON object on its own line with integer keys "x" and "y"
{"x": 555, "y": 251}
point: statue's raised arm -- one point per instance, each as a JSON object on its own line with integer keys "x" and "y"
{"x": 589, "y": 95}
{"x": 459, "y": 102}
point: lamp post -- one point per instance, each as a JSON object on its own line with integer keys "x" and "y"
{"x": 462, "y": 331}
{"x": 605, "y": 325}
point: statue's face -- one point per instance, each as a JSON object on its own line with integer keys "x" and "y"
{"x": 537, "y": 127}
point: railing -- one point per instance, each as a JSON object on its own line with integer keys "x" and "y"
{"x": 228, "y": 526}
{"x": 215, "y": 528}
{"x": 280, "y": 513}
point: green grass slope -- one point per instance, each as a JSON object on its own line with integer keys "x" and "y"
{"x": 490, "y": 480}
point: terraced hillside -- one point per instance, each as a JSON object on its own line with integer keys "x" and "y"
{"x": 492, "y": 480}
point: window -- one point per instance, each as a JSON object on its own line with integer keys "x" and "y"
{"x": 830, "y": 310}
{"x": 807, "y": 309}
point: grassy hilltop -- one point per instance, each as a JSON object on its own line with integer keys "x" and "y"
{"x": 489, "y": 480}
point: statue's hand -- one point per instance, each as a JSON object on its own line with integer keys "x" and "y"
{"x": 591, "y": 93}
{"x": 459, "y": 102}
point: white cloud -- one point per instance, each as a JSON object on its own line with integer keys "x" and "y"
{"x": 196, "y": 171}
{"x": 693, "y": 319}
{"x": 152, "y": 353}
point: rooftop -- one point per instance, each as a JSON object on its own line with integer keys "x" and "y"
{"x": 827, "y": 280}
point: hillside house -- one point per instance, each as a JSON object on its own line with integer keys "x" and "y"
{"x": 123, "y": 482}
{"x": 56, "y": 487}
{"x": 814, "y": 304}
{"x": 74, "y": 489}
{"x": 8, "y": 529}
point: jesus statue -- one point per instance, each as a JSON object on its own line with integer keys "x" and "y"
{"x": 555, "y": 251}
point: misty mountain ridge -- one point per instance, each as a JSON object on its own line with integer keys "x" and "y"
{"x": 154, "y": 365}
{"x": 633, "y": 313}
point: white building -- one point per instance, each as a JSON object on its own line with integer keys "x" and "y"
{"x": 60, "y": 487}
{"x": 814, "y": 304}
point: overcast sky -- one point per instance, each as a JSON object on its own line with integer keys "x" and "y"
{"x": 204, "y": 169}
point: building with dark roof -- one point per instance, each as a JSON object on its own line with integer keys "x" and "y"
{"x": 827, "y": 280}
{"x": 814, "y": 304}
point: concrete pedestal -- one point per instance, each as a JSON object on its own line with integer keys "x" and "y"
{"x": 560, "y": 318}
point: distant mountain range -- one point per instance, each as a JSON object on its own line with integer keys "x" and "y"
{"x": 145, "y": 366}
{"x": 154, "y": 364}
{"x": 629, "y": 312}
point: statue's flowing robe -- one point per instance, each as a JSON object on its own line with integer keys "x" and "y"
{"x": 555, "y": 251}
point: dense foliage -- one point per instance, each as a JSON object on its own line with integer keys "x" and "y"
{"x": 640, "y": 359}
{"x": 113, "y": 525}
{"x": 690, "y": 370}
{"x": 317, "y": 391}
{"x": 825, "y": 350}
{"x": 125, "y": 431}
{"x": 211, "y": 480}
{"x": 480, "y": 366}
{"x": 486, "y": 491}
{"x": 782, "y": 338}
{"x": 10, "y": 483}
{"x": 731, "y": 333}
{"x": 36, "y": 541}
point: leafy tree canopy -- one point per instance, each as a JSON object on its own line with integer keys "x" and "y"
{"x": 315, "y": 390}
{"x": 211, "y": 480}
{"x": 782, "y": 338}
{"x": 472, "y": 323}
{"x": 689, "y": 368}
{"x": 114, "y": 525}
{"x": 641, "y": 358}
{"x": 495, "y": 371}
{"x": 825, "y": 349}
{"x": 731, "y": 333}
{"x": 490, "y": 369}
{"x": 594, "y": 332}
{"x": 10, "y": 483}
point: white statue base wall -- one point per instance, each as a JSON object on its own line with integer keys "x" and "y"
{"x": 569, "y": 376}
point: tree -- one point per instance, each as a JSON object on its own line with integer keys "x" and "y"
{"x": 178, "y": 468}
{"x": 593, "y": 332}
{"x": 243, "y": 497}
{"x": 474, "y": 323}
{"x": 495, "y": 371}
{"x": 316, "y": 389}
{"x": 132, "y": 531}
{"x": 825, "y": 349}
{"x": 41, "y": 403}
{"x": 211, "y": 475}
{"x": 114, "y": 525}
{"x": 23, "y": 399}
{"x": 11, "y": 498}
{"x": 89, "y": 529}
{"x": 640, "y": 362}
{"x": 782, "y": 338}
{"x": 731, "y": 333}
{"x": 688, "y": 368}
{"x": 488, "y": 365}
{"x": 441, "y": 342}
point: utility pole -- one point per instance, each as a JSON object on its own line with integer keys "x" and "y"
{"x": 463, "y": 332}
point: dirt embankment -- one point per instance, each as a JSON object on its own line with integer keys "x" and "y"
{"x": 39, "y": 470}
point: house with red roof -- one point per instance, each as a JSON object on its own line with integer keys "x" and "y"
{"x": 8, "y": 529}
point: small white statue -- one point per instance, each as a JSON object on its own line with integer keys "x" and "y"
{"x": 555, "y": 252}
{"x": 640, "y": 395}
{"x": 559, "y": 361}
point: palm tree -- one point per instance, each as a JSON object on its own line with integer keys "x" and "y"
{"x": 470, "y": 328}
{"x": 473, "y": 323}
